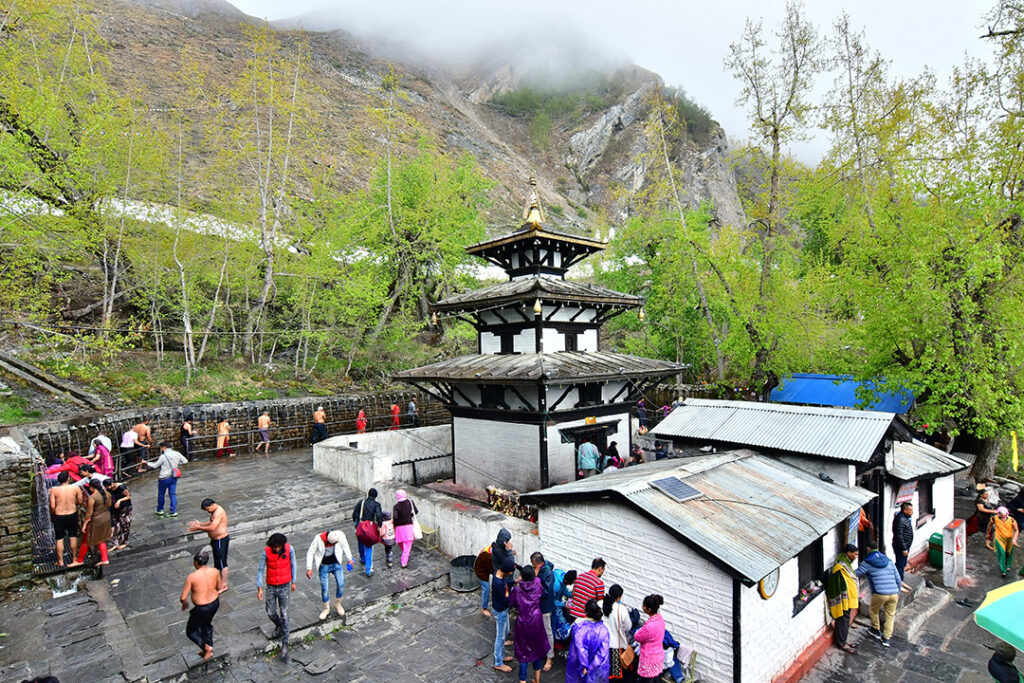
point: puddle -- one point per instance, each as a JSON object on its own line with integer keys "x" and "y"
{"x": 65, "y": 584}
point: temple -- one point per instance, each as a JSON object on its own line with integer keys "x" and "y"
{"x": 540, "y": 382}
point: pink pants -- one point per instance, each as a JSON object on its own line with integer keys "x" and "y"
{"x": 406, "y": 547}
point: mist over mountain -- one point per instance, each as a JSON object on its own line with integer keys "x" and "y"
{"x": 525, "y": 96}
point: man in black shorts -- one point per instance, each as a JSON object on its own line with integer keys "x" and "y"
{"x": 217, "y": 529}
{"x": 64, "y": 502}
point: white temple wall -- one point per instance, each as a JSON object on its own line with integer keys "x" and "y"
{"x": 504, "y": 454}
{"x": 588, "y": 341}
{"x": 525, "y": 342}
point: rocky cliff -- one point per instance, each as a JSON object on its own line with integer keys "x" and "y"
{"x": 586, "y": 160}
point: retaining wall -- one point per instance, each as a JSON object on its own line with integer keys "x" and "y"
{"x": 16, "y": 514}
{"x": 463, "y": 528}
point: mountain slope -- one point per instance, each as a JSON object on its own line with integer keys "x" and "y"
{"x": 585, "y": 159}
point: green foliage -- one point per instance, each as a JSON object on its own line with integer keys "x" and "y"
{"x": 14, "y": 410}
{"x": 700, "y": 126}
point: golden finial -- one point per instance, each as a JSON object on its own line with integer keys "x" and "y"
{"x": 533, "y": 214}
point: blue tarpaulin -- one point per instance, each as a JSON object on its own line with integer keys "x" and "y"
{"x": 841, "y": 392}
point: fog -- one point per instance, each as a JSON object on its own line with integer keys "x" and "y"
{"x": 684, "y": 42}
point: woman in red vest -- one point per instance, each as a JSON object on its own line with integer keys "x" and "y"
{"x": 276, "y": 570}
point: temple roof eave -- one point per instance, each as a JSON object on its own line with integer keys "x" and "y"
{"x": 562, "y": 367}
{"x": 526, "y": 291}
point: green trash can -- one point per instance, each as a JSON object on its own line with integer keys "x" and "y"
{"x": 935, "y": 550}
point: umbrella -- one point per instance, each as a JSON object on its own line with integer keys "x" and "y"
{"x": 1002, "y": 613}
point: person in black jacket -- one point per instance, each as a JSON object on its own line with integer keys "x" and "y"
{"x": 367, "y": 509}
{"x": 501, "y": 549}
{"x": 1001, "y": 667}
{"x": 902, "y": 537}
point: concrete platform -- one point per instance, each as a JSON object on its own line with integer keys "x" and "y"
{"x": 139, "y": 629}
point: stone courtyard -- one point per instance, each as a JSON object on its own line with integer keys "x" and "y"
{"x": 401, "y": 625}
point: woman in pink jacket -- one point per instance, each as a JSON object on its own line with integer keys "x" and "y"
{"x": 650, "y": 637}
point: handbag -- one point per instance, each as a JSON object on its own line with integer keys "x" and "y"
{"x": 417, "y": 530}
{"x": 626, "y": 654}
{"x": 176, "y": 473}
{"x": 367, "y": 532}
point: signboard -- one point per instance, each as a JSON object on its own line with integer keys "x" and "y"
{"x": 854, "y": 525}
{"x": 906, "y": 492}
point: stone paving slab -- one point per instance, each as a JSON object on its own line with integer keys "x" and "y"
{"x": 387, "y": 649}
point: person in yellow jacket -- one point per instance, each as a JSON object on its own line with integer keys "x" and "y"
{"x": 841, "y": 593}
{"x": 1001, "y": 536}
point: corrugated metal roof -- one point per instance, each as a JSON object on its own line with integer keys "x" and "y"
{"x": 557, "y": 367}
{"x": 528, "y": 289}
{"x": 841, "y": 391}
{"x": 838, "y": 433}
{"x": 755, "y": 512}
{"x": 913, "y": 460}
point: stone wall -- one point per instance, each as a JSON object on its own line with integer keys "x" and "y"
{"x": 291, "y": 421}
{"x": 16, "y": 507}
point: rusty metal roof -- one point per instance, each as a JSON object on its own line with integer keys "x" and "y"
{"x": 913, "y": 460}
{"x": 528, "y": 289}
{"x": 530, "y": 368}
{"x": 839, "y": 433}
{"x": 755, "y": 512}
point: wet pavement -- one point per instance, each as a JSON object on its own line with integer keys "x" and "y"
{"x": 438, "y": 638}
{"x": 128, "y": 625}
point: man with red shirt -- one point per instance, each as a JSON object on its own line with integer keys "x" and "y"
{"x": 277, "y": 564}
{"x": 588, "y": 586}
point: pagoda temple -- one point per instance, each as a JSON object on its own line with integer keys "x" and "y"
{"x": 539, "y": 383}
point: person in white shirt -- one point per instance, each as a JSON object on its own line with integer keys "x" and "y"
{"x": 169, "y": 464}
{"x": 323, "y": 557}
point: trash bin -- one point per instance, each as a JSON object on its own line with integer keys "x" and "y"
{"x": 461, "y": 575}
{"x": 935, "y": 550}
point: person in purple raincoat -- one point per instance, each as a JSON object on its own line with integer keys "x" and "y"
{"x": 529, "y": 638}
{"x": 588, "y": 650}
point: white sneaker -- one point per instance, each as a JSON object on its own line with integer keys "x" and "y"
{"x": 326, "y": 610}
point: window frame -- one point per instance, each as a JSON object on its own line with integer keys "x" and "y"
{"x": 812, "y": 555}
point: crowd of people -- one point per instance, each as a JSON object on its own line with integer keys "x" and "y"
{"x": 557, "y": 609}
{"x": 276, "y": 571}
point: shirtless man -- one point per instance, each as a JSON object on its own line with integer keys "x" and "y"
{"x": 145, "y": 441}
{"x": 223, "y": 431}
{"x": 201, "y": 586}
{"x": 64, "y": 502}
{"x": 217, "y": 528}
{"x": 263, "y": 428}
{"x": 319, "y": 425}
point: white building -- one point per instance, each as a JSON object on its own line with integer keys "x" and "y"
{"x": 734, "y": 542}
{"x": 871, "y": 449}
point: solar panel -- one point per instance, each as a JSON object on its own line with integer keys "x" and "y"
{"x": 676, "y": 489}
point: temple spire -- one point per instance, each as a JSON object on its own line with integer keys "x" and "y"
{"x": 533, "y": 214}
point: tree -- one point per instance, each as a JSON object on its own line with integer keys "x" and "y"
{"x": 925, "y": 237}
{"x": 67, "y": 140}
{"x": 264, "y": 129}
{"x": 776, "y": 86}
